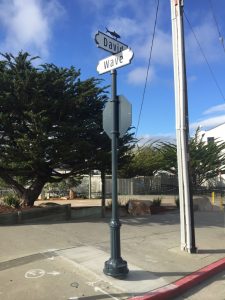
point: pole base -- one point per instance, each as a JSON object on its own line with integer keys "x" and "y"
{"x": 116, "y": 268}
{"x": 193, "y": 250}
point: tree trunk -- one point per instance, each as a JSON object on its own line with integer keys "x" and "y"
{"x": 103, "y": 193}
{"x": 30, "y": 195}
{"x": 27, "y": 195}
{"x": 72, "y": 194}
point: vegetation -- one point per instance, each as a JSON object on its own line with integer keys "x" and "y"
{"x": 11, "y": 200}
{"x": 50, "y": 123}
{"x": 157, "y": 202}
{"x": 145, "y": 161}
{"x": 177, "y": 202}
{"x": 102, "y": 157}
{"x": 207, "y": 160}
{"x": 51, "y": 131}
{"x": 63, "y": 187}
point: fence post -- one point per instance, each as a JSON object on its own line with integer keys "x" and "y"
{"x": 221, "y": 203}
{"x": 132, "y": 186}
{"x": 213, "y": 198}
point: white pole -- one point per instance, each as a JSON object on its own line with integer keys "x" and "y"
{"x": 187, "y": 238}
{"x": 89, "y": 186}
{"x": 178, "y": 124}
{"x": 182, "y": 95}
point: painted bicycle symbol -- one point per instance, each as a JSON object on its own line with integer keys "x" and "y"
{"x": 35, "y": 273}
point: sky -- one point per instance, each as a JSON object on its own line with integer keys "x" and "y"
{"x": 62, "y": 32}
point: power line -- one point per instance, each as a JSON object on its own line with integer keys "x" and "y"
{"x": 217, "y": 26}
{"x": 206, "y": 60}
{"x": 148, "y": 67}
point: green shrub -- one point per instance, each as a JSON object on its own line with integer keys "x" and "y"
{"x": 156, "y": 202}
{"x": 12, "y": 200}
{"x": 177, "y": 202}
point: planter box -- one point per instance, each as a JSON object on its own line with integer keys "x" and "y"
{"x": 139, "y": 208}
{"x": 86, "y": 212}
{"x": 156, "y": 209}
{"x": 19, "y": 217}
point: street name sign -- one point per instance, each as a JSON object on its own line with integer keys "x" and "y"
{"x": 115, "y": 61}
{"x": 109, "y": 44}
{"x": 125, "y": 116}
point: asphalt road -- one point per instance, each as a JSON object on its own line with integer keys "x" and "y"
{"x": 47, "y": 260}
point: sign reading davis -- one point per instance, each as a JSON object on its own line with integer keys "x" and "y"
{"x": 115, "y": 61}
{"x": 109, "y": 44}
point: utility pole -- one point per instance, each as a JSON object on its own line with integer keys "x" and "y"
{"x": 182, "y": 129}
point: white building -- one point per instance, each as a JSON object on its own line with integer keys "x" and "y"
{"x": 213, "y": 133}
{"x": 210, "y": 135}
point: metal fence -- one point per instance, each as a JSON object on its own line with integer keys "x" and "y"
{"x": 142, "y": 185}
{"x": 91, "y": 187}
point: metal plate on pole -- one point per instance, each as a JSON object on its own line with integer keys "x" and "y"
{"x": 125, "y": 116}
{"x": 108, "y": 118}
{"x": 115, "y": 61}
{"x": 109, "y": 44}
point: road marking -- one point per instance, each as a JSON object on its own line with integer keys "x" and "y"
{"x": 54, "y": 273}
{"x": 149, "y": 258}
{"x": 73, "y": 298}
{"x": 34, "y": 273}
{"x": 93, "y": 283}
{"x": 51, "y": 258}
{"x": 98, "y": 289}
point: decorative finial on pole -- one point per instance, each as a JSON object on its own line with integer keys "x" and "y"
{"x": 113, "y": 33}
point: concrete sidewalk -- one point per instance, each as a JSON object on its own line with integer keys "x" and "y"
{"x": 64, "y": 260}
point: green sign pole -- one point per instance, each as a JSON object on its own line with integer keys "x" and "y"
{"x": 115, "y": 266}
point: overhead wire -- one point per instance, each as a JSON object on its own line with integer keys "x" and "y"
{"x": 206, "y": 60}
{"x": 148, "y": 67}
{"x": 221, "y": 39}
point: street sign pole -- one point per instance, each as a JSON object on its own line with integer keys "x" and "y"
{"x": 115, "y": 266}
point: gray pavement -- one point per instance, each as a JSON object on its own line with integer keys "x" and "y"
{"x": 54, "y": 259}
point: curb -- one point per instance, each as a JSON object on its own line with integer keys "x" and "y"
{"x": 182, "y": 285}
